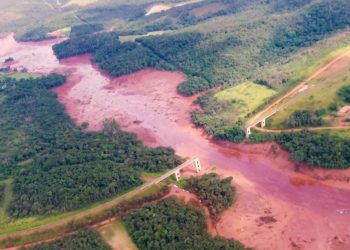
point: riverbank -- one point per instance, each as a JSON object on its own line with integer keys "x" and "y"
{"x": 271, "y": 204}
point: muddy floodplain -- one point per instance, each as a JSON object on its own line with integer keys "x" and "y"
{"x": 280, "y": 205}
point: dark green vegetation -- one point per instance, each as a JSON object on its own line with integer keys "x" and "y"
{"x": 315, "y": 149}
{"x": 110, "y": 54}
{"x": 85, "y": 44}
{"x": 344, "y": 94}
{"x": 188, "y": 54}
{"x": 9, "y": 59}
{"x": 36, "y": 34}
{"x": 170, "y": 224}
{"x": 84, "y": 29}
{"x": 85, "y": 239}
{"x": 318, "y": 21}
{"x": 216, "y": 194}
{"x": 55, "y": 165}
{"x": 219, "y": 129}
{"x": 301, "y": 118}
{"x": 2, "y": 192}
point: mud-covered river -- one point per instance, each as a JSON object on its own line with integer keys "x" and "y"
{"x": 308, "y": 213}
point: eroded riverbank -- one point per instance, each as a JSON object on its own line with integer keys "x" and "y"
{"x": 308, "y": 213}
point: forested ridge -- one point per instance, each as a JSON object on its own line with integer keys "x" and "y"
{"x": 213, "y": 58}
{"x": 170, "y": 224}
{"x": 57, "y": 166}
{"x": 315, "y": 23}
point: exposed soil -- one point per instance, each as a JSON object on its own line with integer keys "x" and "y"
{"x": 309, "y": 213}
{"x": 80, "y": 2}
{"x": 164, "y": 7}
{"x": 157, "y": 8}
{"x": 208, "y": 9}
{"x": 343, "y": 116}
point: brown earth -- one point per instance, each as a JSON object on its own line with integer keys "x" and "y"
{"x": 343, "y": 116}
{"x": 208, "y": 9}
{"x": 278, "y": 206}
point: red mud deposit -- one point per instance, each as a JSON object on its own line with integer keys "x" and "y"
{"x": 276, "y": 208}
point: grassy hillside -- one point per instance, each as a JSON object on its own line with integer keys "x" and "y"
{"x": 227, "y": 109}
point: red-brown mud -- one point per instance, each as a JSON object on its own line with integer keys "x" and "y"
{"x": 277, "y": 207}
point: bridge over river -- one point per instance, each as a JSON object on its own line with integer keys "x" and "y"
{"x": 194, "y": 162}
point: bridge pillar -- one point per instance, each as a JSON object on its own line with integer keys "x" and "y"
{"x": 197, "y": 164}
{"x": 263, "y": 123}
{"x": 248, "y": 132}
{"x": 177, "y": 175}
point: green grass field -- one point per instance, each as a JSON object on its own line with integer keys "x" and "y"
{"x": 245, "y": 97}
{"x": 232, "y": 106}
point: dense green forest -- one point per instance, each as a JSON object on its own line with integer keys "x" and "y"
{"x": 302, "y": 118}
{"x": 170, "y": 224}
{"x": 344, "y": 94}
{"x": 57, "y": 166}
{"x": 315, "y": 149}
{"x": 84, "y": 29}
{"x": 85, "y": 44}
{"x": 315, "y": 23}
{"x": 85, "y": 239}
{"x": 216, "y": 194}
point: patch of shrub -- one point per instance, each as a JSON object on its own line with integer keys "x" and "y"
{"x": 216, "y": 194}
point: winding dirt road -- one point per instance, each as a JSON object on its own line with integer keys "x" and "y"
{"x": 277, "y": 131}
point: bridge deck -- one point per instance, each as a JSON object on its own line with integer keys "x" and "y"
{"x": 173, "y": 171}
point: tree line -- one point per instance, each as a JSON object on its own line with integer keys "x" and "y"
{"x": 170, "y": 224}
{"x": 84, "y": 239}
{"x": 57, "y": 166}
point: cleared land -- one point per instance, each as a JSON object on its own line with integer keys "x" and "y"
{"x": 117, "y": 237}
{"x": 164, "y": 7}
{"x": 231, "y": 106}
{"x": 80, "y": 2}
{"x": 246, "y": 96}
{"x": 316, "y": 92}
{"x": 319, "y": 92}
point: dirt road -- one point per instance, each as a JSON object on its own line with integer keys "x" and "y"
{"x": 293, "y": 91}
